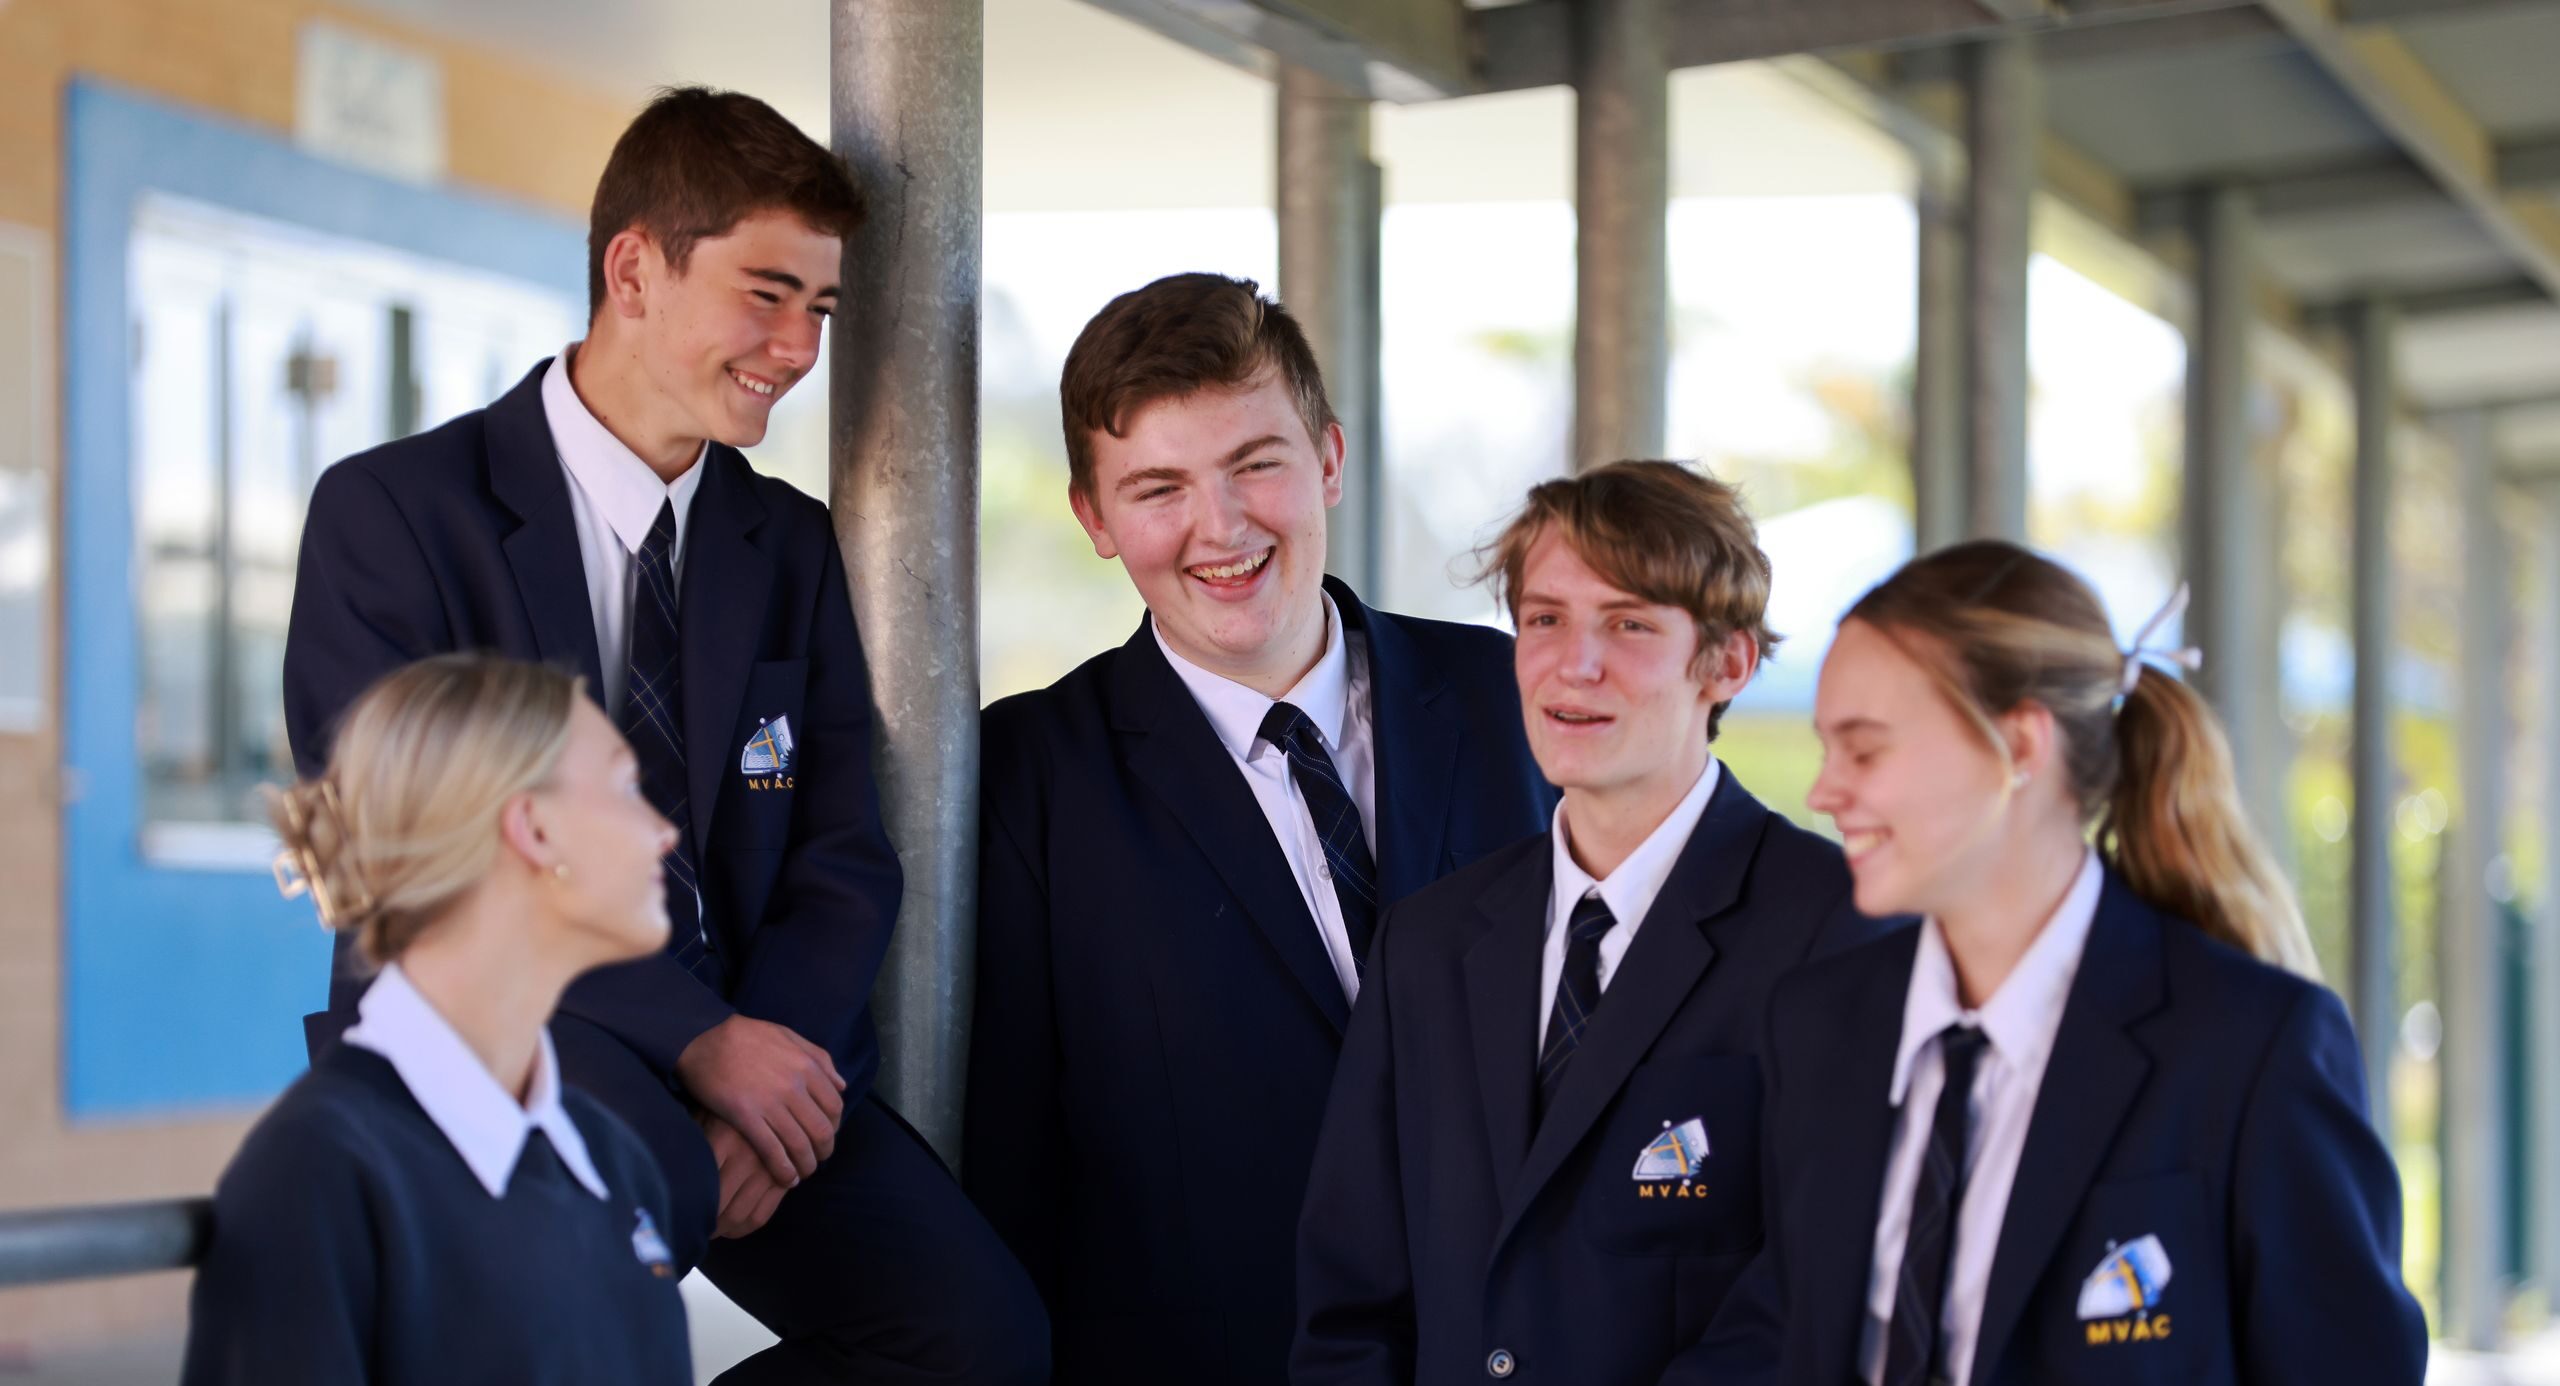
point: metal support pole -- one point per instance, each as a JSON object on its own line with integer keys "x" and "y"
{"x": 2544, "y": 1035}
{"x": 2471, "y": 952}
{"x": 2373, "y": 992}
{"x": 1622, "y": 206}
{"x": 2003, "y": 125}
{"x": 903, "y": 480}
{"x": 1328, "y": 201}
{"x": 2228, "y": 523}
{"x": 1940, "y": 507}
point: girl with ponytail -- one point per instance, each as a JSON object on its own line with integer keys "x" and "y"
{"x": 2094, "y": 1119}
{"x": 428, "y": 1204}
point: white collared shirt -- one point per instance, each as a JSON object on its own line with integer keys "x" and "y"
{"x": 1629, "y": 890}
{"x": 615, "y": 498}
{"x": 487, "y": 1127}
{"x": 1335, "y": 697}
{"x": 2021, "y": 1020}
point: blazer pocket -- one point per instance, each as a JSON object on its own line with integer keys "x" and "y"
{"x": 1677, "y": 1170}
{"x": 2135, "y": 1292}
{"x": 763, "y": 773}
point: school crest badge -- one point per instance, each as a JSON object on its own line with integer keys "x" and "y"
{"x": 649, "y": 1247}
{"x": 1678, "y": 1153}
{"x": 2129, "y": 1281}
{"x": 2120, "y": 1301}
{"x": 768, "y": 750}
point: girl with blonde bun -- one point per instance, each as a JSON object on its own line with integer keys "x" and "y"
{"x": 428, "y": 1203}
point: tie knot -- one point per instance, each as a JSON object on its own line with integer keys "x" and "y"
{"x": 1961, "y": 1046}
{"x": 1591, "y": 918}
{"x": 662, "y": 530}
{"x": 1284, "y": 724}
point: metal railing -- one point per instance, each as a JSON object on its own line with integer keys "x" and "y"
{"x": 51, "y": 1244}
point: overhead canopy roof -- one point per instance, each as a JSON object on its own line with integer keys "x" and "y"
{"x": 2407, "y": 149}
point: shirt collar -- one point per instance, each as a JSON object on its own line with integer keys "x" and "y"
{"x": 486, "y": 1127}
{"x": 2022, "y": 1017}
{"x": 1630, "y": 890}
{"x": 622, "y": 486}
{"x": 1235, "y": 712}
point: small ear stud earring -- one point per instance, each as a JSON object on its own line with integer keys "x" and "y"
{"x": 2018, "y": 780}
{"x": 559, "y": 870}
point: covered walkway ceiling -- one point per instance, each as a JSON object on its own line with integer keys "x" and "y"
{"x": 2399, "y": 149}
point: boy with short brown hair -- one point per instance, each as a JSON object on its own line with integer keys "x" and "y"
{"x": 1186, "y": 842}
{"x": 600, "y": 517}
{"x": 1541, "y": 1152}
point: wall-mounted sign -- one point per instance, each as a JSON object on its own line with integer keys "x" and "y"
{"x": 362, "y": 101}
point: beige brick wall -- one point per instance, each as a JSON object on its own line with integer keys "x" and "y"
{"x": 234, "y": 58}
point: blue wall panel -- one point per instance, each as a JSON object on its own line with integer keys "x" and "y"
{"x": 185, "y": 989}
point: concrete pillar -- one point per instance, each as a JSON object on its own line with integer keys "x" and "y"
{"x": 1329, "y": 209}
{"x": 903, "y": 481}
{"x": 2471, "y": 953}
{"x": 2003, "y": 125}
{"x": 2544, "y": 1034}
{"x": 1941, "y": 508}
{"x": 2373, "y": 987}
{"x": 1622, "y": 203}
{"x": 2227, "y": 523}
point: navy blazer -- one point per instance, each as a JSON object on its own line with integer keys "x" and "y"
{"x": 1157, "y": 1020}
{"x": 2194, "y": 1095}
{"x": 462, "y": 538}
{"x": 1444, "y": 1239}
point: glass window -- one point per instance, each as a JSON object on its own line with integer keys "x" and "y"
{"x": 262, "y": 353}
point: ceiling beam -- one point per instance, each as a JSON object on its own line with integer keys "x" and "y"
{"x": 2310, "y": 193}
{"x": 1390, "y": 50}
{"x": 2502, "y": 404}
{"x": 2530, "y": 165}
{"x": 1529, "y": 45}
{"x": 1526, "y": 45}
{"x": 2170, "y": 33}
{"x": 2434, "y": 300}
{"x": 2145, "y": 32}
{"x": 2431, "y": 126}
{"x": 2394, "y": 11}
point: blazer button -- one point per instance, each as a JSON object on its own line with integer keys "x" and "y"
{"x": 1501, "y": 1364}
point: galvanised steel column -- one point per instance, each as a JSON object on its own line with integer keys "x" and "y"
{"x": 903, "y": 482}
{"x": 1941, "y": 509}
{"x": 2373, "y": 988}
{"x": 2544, "y": 1033}
{"x": 1329, "y": 222}
{"x": 2471, "y": 952}
{"x": 1622, "y": 203}
{"x": 2227, "y": 524}
{"x": 2003, "y": 125}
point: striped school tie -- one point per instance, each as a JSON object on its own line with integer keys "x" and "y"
{"x": 1577, "y": 995}
{"x": 653, "y": 722}
{"x": 1337, "y": 821}
{"x": 1916, "y": 1351}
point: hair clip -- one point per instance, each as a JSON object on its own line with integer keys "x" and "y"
{"x": 2142, "y": 651}
{"x": 297, "y": 868}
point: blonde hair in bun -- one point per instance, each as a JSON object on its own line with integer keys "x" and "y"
{"x": 404, "y": 821}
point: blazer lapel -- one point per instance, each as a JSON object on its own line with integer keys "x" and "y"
{"x": 1176, "y": 752}
{"x": 721, "y": 611}
{"x": 1417, "y": 752}
{"x": 1502, "y": 970}
{"x": 1845, "y": 1164}
{"x": 1661, "y": 968}
{"x": 2096, "y": 1071}
{"x": 542, "y": 551}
